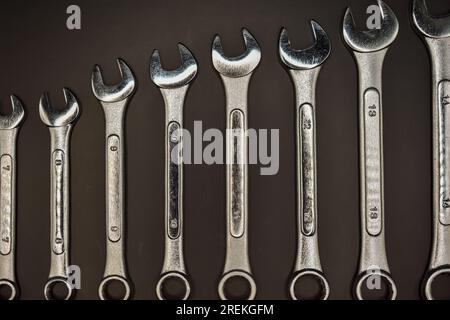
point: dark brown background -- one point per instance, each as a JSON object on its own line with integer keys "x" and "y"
{"x": 38, "y": 53}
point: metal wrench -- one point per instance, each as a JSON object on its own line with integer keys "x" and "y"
{"x": 9, "y": 129}
{"x": 60, "y": 124}
{"x": 436, "y": 34}
{"x": 114, "y": 100}
{"x": 304, "y": 67}
{"x": 236, "y": 73}
{"x": 369, "y": 49}
{"x": 173, "y": 85}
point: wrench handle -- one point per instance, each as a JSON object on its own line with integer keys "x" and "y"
{"x": 59, "y": 210}
{"x": 8, "y": 210}
{"x": 373, "y": 258}
{"x": 115, "y": 267}
{"x": 440, "y": 253}
{"x": 237, "y": 262}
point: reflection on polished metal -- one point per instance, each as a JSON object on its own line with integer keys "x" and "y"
{"x": 369, "y": 49}
{"x": 60, "y": 124}
{"x": 114, "y": 100}
{"x": 9, "y": 129}
{"x": 235, "y": 74}
{"x": 304, "y": 67}
{"x": 173, "y": 85}
{"x": 436, "y": 34}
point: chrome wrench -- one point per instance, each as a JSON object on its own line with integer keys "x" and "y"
{"x": 173, "y": 86}
{"x": 60, "y": 124}
{"x": 369, "y": 49}
{"x": 235, "y": 74}
{"x": 436, "y": 34}
{"x": 9, "y": 129}
{"x": 114, "y": 100}
{"x": 304, "y": 67}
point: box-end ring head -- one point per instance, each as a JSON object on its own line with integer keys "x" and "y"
{"x": 428, "y": 25}
{"x": 374, "y": 39}
{"x": 242, "y": 65}
{"x": 117, "y": 92}
{"x": 179, "y": 77}
{"x": 58, "y": 118}
{"x": 309, "y": 58}
{"x": 15, "y": 118}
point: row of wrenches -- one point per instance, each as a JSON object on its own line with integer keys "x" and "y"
{"x": 369, "y": 49}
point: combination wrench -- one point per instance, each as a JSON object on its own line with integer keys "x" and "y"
{"x": 235, "y": 74}
{"x": 369, "y": 49}
{"x": 436, "y": 34}
{"x": 114, "y": 100}
{"x": 60, "y": 124}
{"x": 9, "y": 129}
{"x": 173, "y": 85}
{"x": 304, "y": 67}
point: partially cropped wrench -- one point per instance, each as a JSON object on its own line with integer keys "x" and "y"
{"x": 236, "y": 73}
{"x": 304, "y": 67}
{"x": 436, "y": 34}
{"x": 60, "y": 124}
{"x": 9, "y": 129}
{"x": 114, "y": 100}
{"x": 173, "y": 85}
{"x": 369, "y": 49}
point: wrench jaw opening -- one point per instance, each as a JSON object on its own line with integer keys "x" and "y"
{"x": 113, "y": 93}
{"x": 179, "y": 77}
{"x": 371, "y": 40}
{"x": 430, "y": 277}
{"x": 241, "y": 65}
{"x": 427, "y": 25}
{"x": 309, "y": 58}
{"x": 13, "y": 288}
{"x": 107, "y": 281}
{"x": 15, "y": 118}
{"x": 315, "y": 274}
{"x": 364, "y": 276}
{"x": 49, "y": 289}
{"x": 59, "y": 118}
{"x": 239, "y": 274}
{"x": 173, "y": 275}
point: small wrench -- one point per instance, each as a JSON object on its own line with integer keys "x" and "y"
{"x": 114, "y": 100}
{"x": 369, "y": 49}
{"x": 9, "y": 129}
{"x": 436, "y": 34}
{"x": 235, "y": 74}
{"x": 60, "y": 124}
{"x": 304, "y": 67}
{"x": 173, "y": 85}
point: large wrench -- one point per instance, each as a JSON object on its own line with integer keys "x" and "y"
{"x": 236, "y": 73}
{"x": 369, "y": 49}
{"x": 9, "y": 129}
{"x": 114, "y": 100}
{"x": 173, "y": 86}
{"x": 436, "y": 34}
{"x": 60, "y": 124}
{"x": 304, "y": 67}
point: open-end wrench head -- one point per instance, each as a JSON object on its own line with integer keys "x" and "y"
{"x": 309, "y": 58}
{"x": 241, "y": 65}
{"x": 116, "y": 92}
{"x": 58, "y": 118}
{"x": 430, "y": 26}
{"x": 173, "y": 78}
{"x": 375, "y": 39}
{"x": 15, "y": 118}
